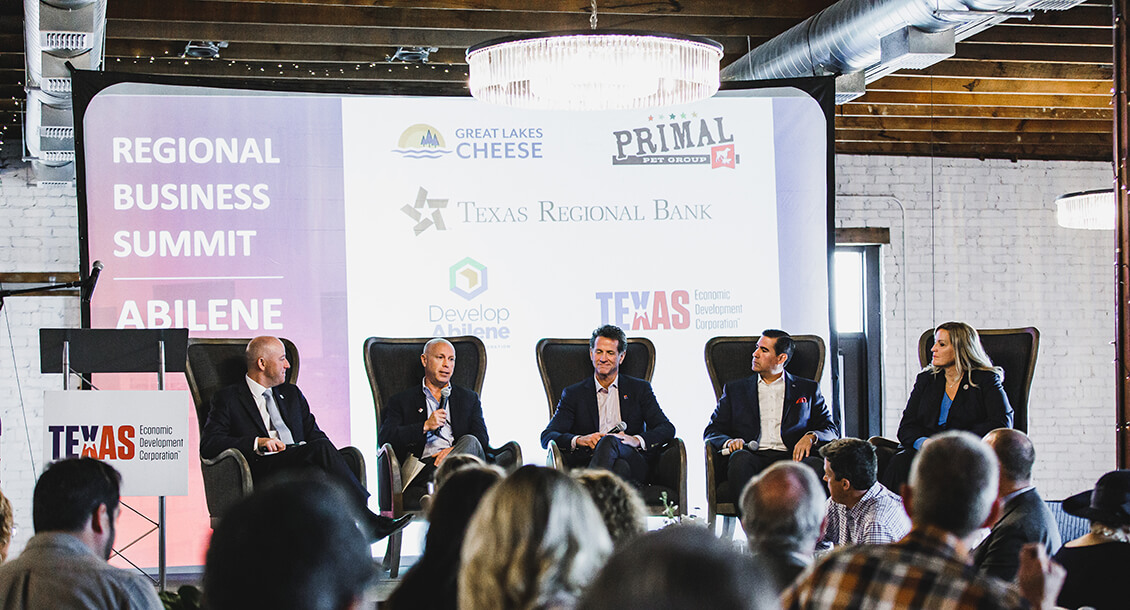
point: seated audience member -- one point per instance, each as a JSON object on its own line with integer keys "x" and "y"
{"x": 771, "y": 416}
{"x": 7, "y": 526}
{"x": 433, "y": 582}
{"x": 455, "y": 463}
{"x": 1024, "y": 515}
{"x": 536, "y": 541}
{"x": 75, "y": 506}
{"x": 952, "y": 492}
{"x": 860, "y": 509}
{"x": 427, "y": 423}
{"x": 296, "y": 542}
{"x": 270, "y": 423}
{"x": 677, "y": 568}
{"x": 783, "y": 516}
{"x": 590, "y": 409}
{"x": 620, "y": 504}
{"x": 1098, "y": 563}
{"x": 959, "y": 390}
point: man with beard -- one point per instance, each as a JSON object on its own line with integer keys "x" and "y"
{"x": 74, "y": 509}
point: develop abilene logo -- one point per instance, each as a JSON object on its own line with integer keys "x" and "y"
{"x": 468, "y": 278}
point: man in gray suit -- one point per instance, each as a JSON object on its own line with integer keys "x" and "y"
{"x": 1024, "y": 515}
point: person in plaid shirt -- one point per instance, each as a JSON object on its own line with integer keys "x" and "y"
{"x": 952, "y": 492}
{"x": 860, "y": 509}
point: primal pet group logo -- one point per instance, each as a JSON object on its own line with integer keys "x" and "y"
{"x": 417, "y": 211}
{"x": 677, "y": 139}
{"x": 468, "y": 278}
{"x": 646, "y": 309}
{"x": 422, "y": 141}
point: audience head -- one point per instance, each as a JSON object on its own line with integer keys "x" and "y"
{"x": 301, "y": 535}
{"x": 620, "y": 504}
{"x": 453, "y": 463}
{"x": 1107, "y": 505}
{"x": 7, "y": 525}
{"x": 266, "y": 361}
{"x": 967, "y": 351}
{"x": 680, "y": 567}
{"x": 953, "y": 484}
{"x": 1016, "y": 454}
{"x": 536, "y": 540}
{"x": 79, "y": 496}
{"x": 783, "y": 509}
{"x": 850, "y": 465}
{"x": 614, "y": 333}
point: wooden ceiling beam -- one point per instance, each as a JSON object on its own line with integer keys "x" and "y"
{"x": 1035, "y": 53}
{"x": 1027, "y": 34}
{"x": 978, "y": 151}
{"x": 876, "y": 123}
{"x": 968, "y": 68}
{"x": 991, "y": 85}
{"x": 287, "y": 70}
{"x": 965, "y": 137}
{"x": 1003, "y": 112}
{"x": 313, "y": 15}
{"x": 250, "y": 51}
{"x": 984, "y": 99}
{"x": 181, "y": 31}
{"x": 792, "y": 9}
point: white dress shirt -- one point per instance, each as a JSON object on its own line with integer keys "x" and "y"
{"x": 771, "y": 402}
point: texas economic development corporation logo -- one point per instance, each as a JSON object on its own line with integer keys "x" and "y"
{"x": 676, "y": 139}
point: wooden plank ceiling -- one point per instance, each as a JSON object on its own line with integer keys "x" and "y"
{"x": 1036, "y": 89}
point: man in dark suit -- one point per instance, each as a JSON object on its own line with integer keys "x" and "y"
{"x": 589, "y": 411}
{"x": 1024, "y": 515}
{"x": 434, "y": 420}
{"x": 270, "y": 423}
{"x": 794, "y": 422}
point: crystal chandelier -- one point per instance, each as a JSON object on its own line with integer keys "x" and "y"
{"x": 1087, "y": 210}
{"x": 594, "y": 70}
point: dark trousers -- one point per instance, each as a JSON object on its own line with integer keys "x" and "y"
{"x": 745, "y": 464}
{"x": 897, "y": 471}
{"x": 314, "y": 455}
{"x": 611, "y": 454}
{"x": 418, "y": 486}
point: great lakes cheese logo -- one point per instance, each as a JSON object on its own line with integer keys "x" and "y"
{"x": 422, "y": 141}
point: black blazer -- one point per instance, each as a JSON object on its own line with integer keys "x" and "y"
{"x": 976, "y": 408}
{"x": 402, "y": 421}
{"x": 1025, "y": 518}
{"x": 577, "y": 414}
{"x": 234, "y": 421}
{"x": 738, "y": 414}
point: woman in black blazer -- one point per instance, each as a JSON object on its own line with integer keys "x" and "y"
{"x": 959, "y": 390}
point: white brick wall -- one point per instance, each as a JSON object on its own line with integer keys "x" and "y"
{"x": 38, "y": 233}
{"x": 984, "y": 249}
{"x": 978, "y": 242}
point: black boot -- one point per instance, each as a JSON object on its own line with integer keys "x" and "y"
{"x": 381, "y": 527}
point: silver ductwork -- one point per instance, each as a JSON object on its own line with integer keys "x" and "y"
{"x": 57, "y": 32}
{"x": 845, "y": 37}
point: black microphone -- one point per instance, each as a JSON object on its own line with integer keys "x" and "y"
{"x": 620, "y": 427}
{"x": 87, "y": 289}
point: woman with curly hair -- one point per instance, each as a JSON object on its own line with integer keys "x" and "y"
{"x": 619, "y": 503}
{"x": 535, "y": 542}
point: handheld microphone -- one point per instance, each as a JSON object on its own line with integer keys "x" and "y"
{"x": 443, "y": 394}
{"x": 726, "y": 451}
{"x": 87, "y": 289}
{"x": 620, "y": 427}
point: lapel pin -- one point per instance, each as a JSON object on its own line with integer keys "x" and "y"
{"x": 802, "y": 400}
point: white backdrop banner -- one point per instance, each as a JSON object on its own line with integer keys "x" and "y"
{"x": 143, "y": 433}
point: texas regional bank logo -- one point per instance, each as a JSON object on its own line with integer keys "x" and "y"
{"x": 468, "y": 278}
{"x": 425, "y": 212}
{"x": 646, "y": 309}
{"x": 423, "y": 141}
{"x": 677, "y": 139}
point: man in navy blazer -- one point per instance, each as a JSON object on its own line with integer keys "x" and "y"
{"x": 589, "y": 411}
{"x": 792, "y": 427}
{"x": 270, "y": 423}
{"x": 424, "y": 422}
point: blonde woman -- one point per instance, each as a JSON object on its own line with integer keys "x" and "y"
{"x": 535, "y": 542}
{"x": 959, "y": 390}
